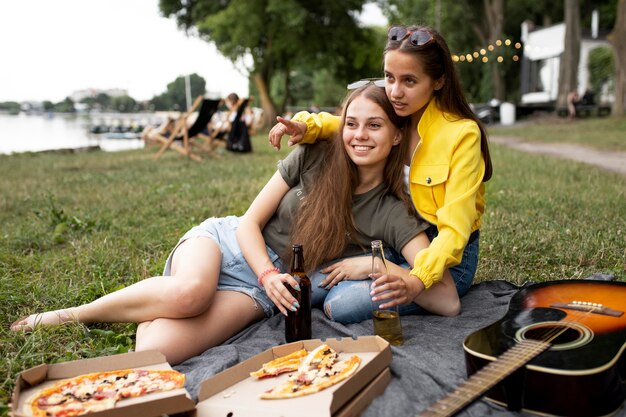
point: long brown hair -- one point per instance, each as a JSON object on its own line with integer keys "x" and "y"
{"x": 437, "y": 62}
{"x": 324, "y": 224}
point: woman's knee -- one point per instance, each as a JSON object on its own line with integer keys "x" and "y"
{"x": 191, "y": 296}
{"x": 349, "y": 302}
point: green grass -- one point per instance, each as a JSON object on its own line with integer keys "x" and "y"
{"x": 604, "y": 133}
{"x": 77, "y": 226}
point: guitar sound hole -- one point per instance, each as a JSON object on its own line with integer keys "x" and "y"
{"x": 564, "y": 335}
{"x": 561, "y": 335}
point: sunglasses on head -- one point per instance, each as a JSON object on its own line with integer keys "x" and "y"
{"x": 417, "y": 37}
{"x": 378, "y": 82}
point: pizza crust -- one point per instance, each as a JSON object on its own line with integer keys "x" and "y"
{"x": 98, "y": 391}
{"x": 280, "y": 365}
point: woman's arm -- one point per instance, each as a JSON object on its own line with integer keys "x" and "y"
{"x": 250, "y": 238}
{"x": 304, "y": 127}
{"x": 441, "y": 298}
{"x": 458, "y": 214}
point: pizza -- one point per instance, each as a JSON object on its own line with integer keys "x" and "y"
{"x": 320, "y": 369}
{"x": 99, "y": 391}
{"x": 287, "y": 363}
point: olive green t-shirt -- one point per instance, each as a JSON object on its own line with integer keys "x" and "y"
{"x": 377, "y": 214}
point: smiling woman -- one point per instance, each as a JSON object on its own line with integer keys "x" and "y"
{"x": 366, "y": 136}
{"x": 208, "y": 291}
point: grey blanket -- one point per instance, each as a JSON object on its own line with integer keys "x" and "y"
{"x": 428, "y": 366}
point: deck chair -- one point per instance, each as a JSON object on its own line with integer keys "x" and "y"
{"x": 193, "y": 136}
{"x": 239, "y": 136}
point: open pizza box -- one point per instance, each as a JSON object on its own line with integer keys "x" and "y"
{"x": 154, "y": 404}
{"x": 234, "y": 393}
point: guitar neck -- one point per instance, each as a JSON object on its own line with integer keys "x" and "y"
{"x": 486, "y": 378}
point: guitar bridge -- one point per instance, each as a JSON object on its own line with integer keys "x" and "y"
{"x": 595, "y": 308}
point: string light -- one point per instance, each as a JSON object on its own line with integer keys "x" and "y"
{"x": 491, "y": 48}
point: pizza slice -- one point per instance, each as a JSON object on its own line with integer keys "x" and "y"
{"x": 280, "y": 365}
{"x": 314, "y": 380}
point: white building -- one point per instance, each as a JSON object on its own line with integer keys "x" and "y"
{"x": 541, "y": 60}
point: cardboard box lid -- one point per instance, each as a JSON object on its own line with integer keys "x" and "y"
{"x": 359, "y": 402}
{"x": 154, "y": 404}
{"x": 234, "y": 391}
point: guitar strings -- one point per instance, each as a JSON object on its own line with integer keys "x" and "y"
{"x": 553, "y": 332}
{"x": 460, "y": 397}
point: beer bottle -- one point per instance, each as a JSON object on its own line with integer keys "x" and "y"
{"x": 298, "y": 323}
{"x": 386, "y": 320}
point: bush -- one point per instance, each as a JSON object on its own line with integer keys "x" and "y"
{"x": 601, "y": 68}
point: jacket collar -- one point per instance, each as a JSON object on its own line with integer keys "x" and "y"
{"x": 431, "y": 114}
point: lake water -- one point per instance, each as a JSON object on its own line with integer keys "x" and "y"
{"x": 33, "y": 133}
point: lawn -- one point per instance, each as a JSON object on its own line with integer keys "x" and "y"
{"x": 604, "y": 133}
{"x": 77, "y": 226}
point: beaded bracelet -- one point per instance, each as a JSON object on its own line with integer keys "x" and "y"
{"x": 267, "y": 271}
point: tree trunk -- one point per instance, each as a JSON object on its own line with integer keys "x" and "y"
{"x": 494, "y": 11}
{"x": 618, "y": 39}
{"x": 269, "y": 110}
{"x": 568, "y": 67}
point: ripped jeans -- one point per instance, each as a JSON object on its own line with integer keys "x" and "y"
{"x": 349, "y": 301}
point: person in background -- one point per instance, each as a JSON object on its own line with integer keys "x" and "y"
{"x": 573, "y": 98}
{"x": 236, "y": 130}
{"x": 228, "y": 273}
{"x": 165, "y": 129}
{"x": 448, "y": 162}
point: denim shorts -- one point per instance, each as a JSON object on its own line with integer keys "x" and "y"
{"x": 235, "y": 273}
{"x": 349, "y": 301}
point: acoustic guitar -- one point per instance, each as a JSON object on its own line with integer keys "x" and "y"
{"x": 559, "y": 350}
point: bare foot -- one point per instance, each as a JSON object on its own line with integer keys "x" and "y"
{"x": 49, "y": 318}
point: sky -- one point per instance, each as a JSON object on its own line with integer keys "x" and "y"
{"x": 51, "y": 48}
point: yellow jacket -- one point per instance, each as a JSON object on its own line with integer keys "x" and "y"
{"x": 445, "y": 182}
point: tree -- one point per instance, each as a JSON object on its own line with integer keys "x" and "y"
{"x": 465, "y": 31}
{"x": 601, "y": 68}
{"x": 123, "y": 104}
{"x": 568, "y": 68}
{"x": 65, "y": 106}
{"x": 472, "y": 25}
{"x": 281, "y": 36}
{"x": 103, "y": 100}
{"x": 494, "y": 11}
{"x": 175, "y": 96}
{"x": 617, "y": 37}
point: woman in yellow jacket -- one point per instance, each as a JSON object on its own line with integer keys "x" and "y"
{"x": 449, "y": 158}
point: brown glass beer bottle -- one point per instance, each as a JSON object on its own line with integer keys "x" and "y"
{"x": 298, "y": 323}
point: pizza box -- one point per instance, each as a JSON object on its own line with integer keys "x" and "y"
{"x": 233, "y": 392}
{"x": 155, "y": 404}
{"x": 359, "y": 403}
